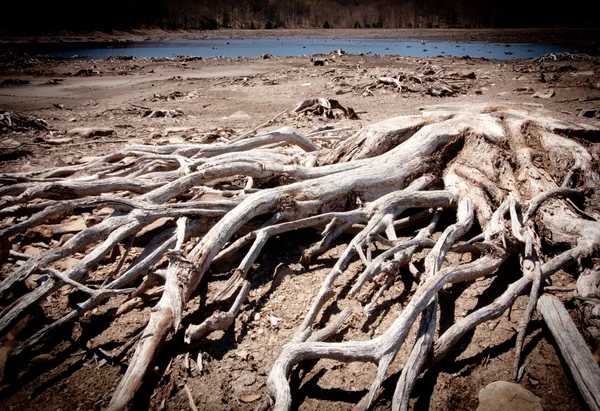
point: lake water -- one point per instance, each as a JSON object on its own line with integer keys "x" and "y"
{"x": 293, "y": 47}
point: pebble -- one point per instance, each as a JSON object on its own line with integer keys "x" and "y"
{"x": 503, "y": 396}
{"x": 87, "y": 132}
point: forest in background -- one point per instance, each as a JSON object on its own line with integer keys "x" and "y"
{"x": 37, "y": 17}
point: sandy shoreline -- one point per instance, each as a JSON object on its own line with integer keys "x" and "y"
{"x": 558, "y": 36}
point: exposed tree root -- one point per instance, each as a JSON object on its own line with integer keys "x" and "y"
{"x": 505, "y": 173}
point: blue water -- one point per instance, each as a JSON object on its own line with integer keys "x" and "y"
{"x": 296, "y": 47}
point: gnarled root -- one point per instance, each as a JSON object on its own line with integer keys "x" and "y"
{"x": 504, "y": 175}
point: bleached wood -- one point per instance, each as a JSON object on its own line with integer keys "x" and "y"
{"x": 574, "y": 350}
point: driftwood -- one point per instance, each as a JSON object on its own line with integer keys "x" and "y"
{"x": 507, "y": 174}
{"x": 577, "y": 355}
{"x": 431, "y": 80}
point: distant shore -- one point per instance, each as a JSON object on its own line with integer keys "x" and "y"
{"x": 559, "y": 36}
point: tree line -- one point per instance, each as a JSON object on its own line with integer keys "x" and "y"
{"x": 34, "y": 15}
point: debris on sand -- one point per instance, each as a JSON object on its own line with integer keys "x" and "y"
{"x": 163, "y": 113}
{"x": 324, "y": 107}
{"x": 20, "y": 122}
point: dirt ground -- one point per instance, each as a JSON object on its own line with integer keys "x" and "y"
{"x": 228, "y": 97}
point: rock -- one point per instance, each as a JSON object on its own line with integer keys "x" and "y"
{"x": 104, "y": 211}
{"x": 249, "y": 397}
{"x": 59, "y": 141}
{"x": 88, "y": 132}
{"x": 273, "y": 320}
{"x": 73, "y": 226}
{"x": 33, "y": 281}
{"x": 544, "y": 94}
{"x": 503, "y": 396}
{"x": 468, "y": 74}
{"x": 30, "y": 250}
{"x": 239, "y": 115}
{"x": 176, "y": 140}
{"x": 479, "y": 92}
{"x": 41, "y": 232}
{"x": 159, "y": 224}
{"x": 589, "y": 113}
{"x": 243, "y": 354}
{"x": 242, "y": 385}
{"x": 67, "y": 263}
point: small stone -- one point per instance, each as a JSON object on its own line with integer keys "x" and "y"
{"x": 249, "y": 397}
{"x": 43, "y": 232}
{"x": 256, "y": 316}
{"x": 273, "y": 320}
{"x": 67, "y": 263}
{"x": 176, "y": 140}
{"x": 104, "y": 212}
{"x": 33, "y": 281}
{"x": 239, "y": 115}
{"x": 243, "y": 354}
{"x": 468, "y": 74}
{"x": 156, "y": 225}
{"x": 73, "y": 226}
{"x": 29, "y": 250}
{"x": 87, "y": 132}
{"x": 59, "y": 141}
{"x": 503, "y": 396}
{"x": 545, "y": 94}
